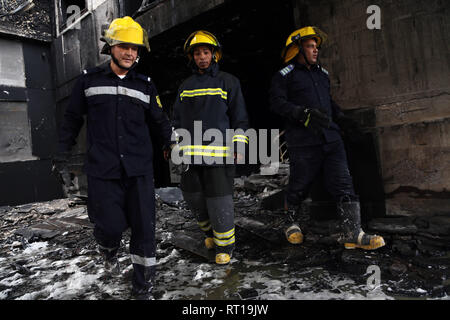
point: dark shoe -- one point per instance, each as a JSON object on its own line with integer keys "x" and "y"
{"x": 111, "y": 262}
{"x": 142, "y": 294}
{"x": 112, "y": 266}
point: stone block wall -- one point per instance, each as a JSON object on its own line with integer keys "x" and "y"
{"x": 396, "y": 81}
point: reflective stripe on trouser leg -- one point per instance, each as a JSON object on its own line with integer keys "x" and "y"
{"x": 140, "y": 206}
{"x": 197, "y": 204}
{"x": 221, "y": 213}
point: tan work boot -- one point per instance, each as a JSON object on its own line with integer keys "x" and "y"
{"x": 223, "y": 258}
{"x": 294, "y": 234}
{"x": 209, "y": 243}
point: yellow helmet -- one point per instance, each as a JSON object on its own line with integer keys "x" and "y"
{"x": 292, "y": 43}
{"x": 202, "y": 37}
{"x": 125, "y": 30}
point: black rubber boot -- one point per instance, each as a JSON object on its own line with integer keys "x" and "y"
{"x": 221, "y": 213}
{"x": 354, "y": 237}
{"x": 197, "y": 204}
{"x": 111, "y": 262}
{"x": 142, "y": 288}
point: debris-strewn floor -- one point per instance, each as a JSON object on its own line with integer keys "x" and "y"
{"x": 47, "y": 251}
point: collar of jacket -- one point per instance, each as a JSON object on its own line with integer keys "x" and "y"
{"x": 304, "y": 67}
{"x": 212, "y": 70}
{"x": 109, "y": 72}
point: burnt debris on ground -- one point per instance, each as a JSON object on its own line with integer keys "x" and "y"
{"x": 47, "y": 251}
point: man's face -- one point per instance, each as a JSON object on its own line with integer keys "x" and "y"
{"x": 202, "y": 56}
{"x": 311, "y": 51}
{"x": 125, "y": 54}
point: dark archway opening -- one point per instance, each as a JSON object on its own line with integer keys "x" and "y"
{"x": 252, "y": 35}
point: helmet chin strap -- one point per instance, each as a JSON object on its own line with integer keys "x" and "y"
{"x": 116, "y": 62}
{"x": 306, "y": 60}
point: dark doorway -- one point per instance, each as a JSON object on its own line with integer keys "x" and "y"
{"x": 252, "y": 34}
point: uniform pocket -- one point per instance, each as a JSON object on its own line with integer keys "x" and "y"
{"x": 98, "y": 106}
{"x": 136, "y": 111}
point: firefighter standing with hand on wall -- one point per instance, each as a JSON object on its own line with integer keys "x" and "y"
{"x": 300, "y": 93}
{"x": 212, "y": 99}
{"x": 120, "y": 105}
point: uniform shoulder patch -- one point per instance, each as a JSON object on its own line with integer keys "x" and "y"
{"x": 324, "y": 70}
{"x": 287, "y": 69}
{"x": 144, "y": 78}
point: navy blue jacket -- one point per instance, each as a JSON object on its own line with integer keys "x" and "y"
{"x": 119, "y": 113}
{"x": 214, "y": 98}
{"x": 296, "y": 85}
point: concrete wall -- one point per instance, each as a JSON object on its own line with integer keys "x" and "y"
{"x": 27, "y": 124}
{"x": 15, "y": 133}
{"x": 168, "y": 14}
{"x": 396, "y": 81}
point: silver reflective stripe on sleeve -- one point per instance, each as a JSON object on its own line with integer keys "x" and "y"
{"x": 93, "y": 91}
{"x": 146, "y": 262}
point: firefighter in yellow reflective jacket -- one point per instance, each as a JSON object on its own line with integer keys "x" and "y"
{"x": 210, "y": 116}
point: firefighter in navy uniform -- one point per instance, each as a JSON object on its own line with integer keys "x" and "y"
{"x": 120, "y": 105}
{"x": 300, "y": 93}
{"x": 213, "y": 98}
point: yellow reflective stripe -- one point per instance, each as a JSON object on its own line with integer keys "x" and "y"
{"x": 223, "y": 243}
{"x": 203, "y": 223}
{"x": 203, "y": 92}
{"x": 207, "y": 228}
{"x": 240, "y": 140}
{"x": 224, "y": 235}
{"x": 240, "y": 136}
{"x": 307, "y": 120}
{"x": 204, "y": 147}
{"x": 208, "y": 154}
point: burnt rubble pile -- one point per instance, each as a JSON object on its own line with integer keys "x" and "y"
{"x": 417, "y": 253}
{"x": 417, "y": 248}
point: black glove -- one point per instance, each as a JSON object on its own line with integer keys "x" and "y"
{"x": 317, "y": 117}
{"x": 60, "y": 167}
{"x": 314, "y": 118}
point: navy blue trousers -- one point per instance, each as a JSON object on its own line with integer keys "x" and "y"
{"x": 115, "y": 205}
{"x": 305, "y": 164}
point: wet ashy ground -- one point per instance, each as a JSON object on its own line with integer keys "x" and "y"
{"x": 47, "y": 251}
